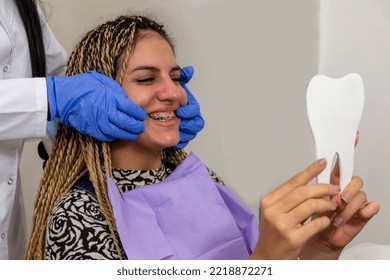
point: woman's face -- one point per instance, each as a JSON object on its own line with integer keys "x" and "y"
{"x": 152, "y": 80}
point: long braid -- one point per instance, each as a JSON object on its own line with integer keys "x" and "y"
{"x": 54, "y": 184}
{"x": 73, "y": 155}
{"x": 94, "y": 165}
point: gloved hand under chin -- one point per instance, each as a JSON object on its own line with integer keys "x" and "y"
{"x": 191, "y": 119}
{"x": 94, "y": 104}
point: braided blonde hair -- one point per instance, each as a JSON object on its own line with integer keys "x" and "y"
{"x": 73, "y": 154}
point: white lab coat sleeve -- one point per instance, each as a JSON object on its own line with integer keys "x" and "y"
{"x": 23, "y": 108}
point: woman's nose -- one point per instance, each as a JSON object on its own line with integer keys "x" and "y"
{"x": 170, "y": 90}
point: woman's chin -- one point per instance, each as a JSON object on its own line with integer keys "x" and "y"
{"x": 158, "y": 141}
{"x": 170, "y": 143}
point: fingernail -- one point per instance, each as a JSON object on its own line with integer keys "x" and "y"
{"x": 346, "y": 197}
{"x": 338, "y": 222}
{"x": 321, "y": 162}
{"x": 337, "y": 188}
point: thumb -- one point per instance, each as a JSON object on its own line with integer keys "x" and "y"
{"x": 186, "y": 74}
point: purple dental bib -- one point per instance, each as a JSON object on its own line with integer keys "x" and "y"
{"x": 187, "y": 216}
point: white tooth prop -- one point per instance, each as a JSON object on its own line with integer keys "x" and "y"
{"x": 334, "y": 108}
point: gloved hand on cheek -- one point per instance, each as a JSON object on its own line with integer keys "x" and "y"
{"x": 191, "y": 119}
{"x": 94, "y": 104}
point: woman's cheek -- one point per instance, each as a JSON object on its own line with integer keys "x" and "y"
{"x": 140, "y": 98}
{"x": 184, "y": 99}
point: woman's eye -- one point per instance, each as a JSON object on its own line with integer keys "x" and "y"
{"x": 148, "y": 80}
{"x": 176, "y": 79}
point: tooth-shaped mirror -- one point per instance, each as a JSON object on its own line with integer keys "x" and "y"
{"x": 334, "y": 108}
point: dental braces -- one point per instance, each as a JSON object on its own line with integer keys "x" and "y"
{"x": 162, "y": 117}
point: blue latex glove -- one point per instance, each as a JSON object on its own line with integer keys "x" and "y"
{"x": 95, "y": 105}
{"x": 191, "y": 119}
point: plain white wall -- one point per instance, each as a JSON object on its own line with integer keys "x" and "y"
{"x": 355, "y": 38}
{"x": 253, "y": 61}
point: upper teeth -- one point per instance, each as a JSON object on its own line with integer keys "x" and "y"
{"x": 162, "y": 117}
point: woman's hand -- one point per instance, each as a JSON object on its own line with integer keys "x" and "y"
{"x": 284, "y": 229}
{"x": 352, "y": 214}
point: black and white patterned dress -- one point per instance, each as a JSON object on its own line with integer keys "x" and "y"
{"x": 77, "y": 228}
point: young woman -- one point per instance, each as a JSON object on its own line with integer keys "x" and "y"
{"x": 144, "y": 199}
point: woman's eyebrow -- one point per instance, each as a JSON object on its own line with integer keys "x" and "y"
{"x": 145, "y": 67}
{"x": 176, "y": 68}
{"x": 153, "y": 68}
